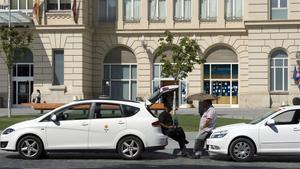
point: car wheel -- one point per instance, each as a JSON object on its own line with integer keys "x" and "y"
{"x": 130, "y": 148}
{"x": 241, "y": 150}
{"x": 30, "y": 147}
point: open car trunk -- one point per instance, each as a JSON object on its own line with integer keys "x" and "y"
{"x": 159, "y": 93}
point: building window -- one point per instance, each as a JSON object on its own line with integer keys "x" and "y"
{"x": 132, "y": 10}
{"x": 107, "y": 10}
{"x": 222, "y": 80}
{"x": 157, "y": 10}
{"x": 208, "y": 10}
{"x": 58, "y": 67}
{"x": 183, "y": 10}
{"x": 279, "y": 71}
{"x": 59, "y": 5}
{"x": 120, "y": 81}
{"x": 279, "y": 9}
{"x": 233, "y": 9}
{"x": 21, "y": 5}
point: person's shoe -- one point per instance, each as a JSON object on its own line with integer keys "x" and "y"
{"x": 194, "y": 156}
{"x": 184, "y": 154}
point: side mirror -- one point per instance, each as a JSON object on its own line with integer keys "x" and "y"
{"x": 270, "y": 122}
{"x": 53, "y": 117}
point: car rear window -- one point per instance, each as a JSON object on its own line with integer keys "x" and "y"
{"x": 130, "y": 110}
{"x": 151, "y": 112}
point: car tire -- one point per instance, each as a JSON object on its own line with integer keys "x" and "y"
{"x": 241, "y": 150}
{"x": 130, "y": 148}
{"x": 30, "y": 147}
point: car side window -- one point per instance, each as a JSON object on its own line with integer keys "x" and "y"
{"x": 107, "y": 110}
{"x": 75, "y": 112}
{"x": 130, "y": 110}
{"x": 288, "y": 117}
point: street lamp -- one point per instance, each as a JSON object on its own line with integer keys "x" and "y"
{"x": 7, "y": 4}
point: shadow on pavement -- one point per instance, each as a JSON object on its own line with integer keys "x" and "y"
{"x": 100, "y": 155}
{"x": 140, "y": 166}
{"x": 273, "y": 158}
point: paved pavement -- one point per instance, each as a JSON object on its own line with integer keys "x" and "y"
{"x": 242, "y": 113}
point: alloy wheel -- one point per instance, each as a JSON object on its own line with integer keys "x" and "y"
{"x": 242, "y": 150}
{"x": 130, "y": 148}
{"x": 29, "y": 148}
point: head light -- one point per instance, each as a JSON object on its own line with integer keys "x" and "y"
{"x": 8, "y": 131}
{"x": 219, "y": 134}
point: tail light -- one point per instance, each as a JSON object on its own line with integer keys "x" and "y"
{"x": 156, "y": 124}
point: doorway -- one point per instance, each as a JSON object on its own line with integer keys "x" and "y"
{"x": 22, "y": 83}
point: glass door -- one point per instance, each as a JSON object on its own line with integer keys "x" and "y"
{"x": 23, "y": 92}
{"x": 221, "y": 80}
{"x": 22, "y": 83}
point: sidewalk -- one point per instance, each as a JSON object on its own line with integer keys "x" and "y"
{"x": 173, "y": 145}
{"x": 19, "y": 111}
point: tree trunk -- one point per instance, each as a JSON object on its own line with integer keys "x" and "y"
{"x": 9, "y": 93}
{"x": 174, "y": 102}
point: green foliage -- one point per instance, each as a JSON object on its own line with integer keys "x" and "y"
{"x": 184, "y": 56}
{"x": 13, "y": 40}
{"x": 6, "y": 122}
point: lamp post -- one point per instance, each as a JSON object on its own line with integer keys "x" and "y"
{"x": 9, "y": 15}
{"x": 9, "y": 74}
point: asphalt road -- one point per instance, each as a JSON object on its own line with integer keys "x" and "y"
{"x": 156, "y": 160}
{"x": 163, "y": 159}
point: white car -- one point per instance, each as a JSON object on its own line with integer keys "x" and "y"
{"x": 275, "y": 133}
{"x": 127, "y": 127}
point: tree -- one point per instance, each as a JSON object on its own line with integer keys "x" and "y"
{"x": 184, "y": 56}
{"x": 14, "y": 43}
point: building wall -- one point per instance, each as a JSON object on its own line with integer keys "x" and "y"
{"x": 87, "y": 42}
{"x": 262, "y": 41}
{"x": 42, "y": 48}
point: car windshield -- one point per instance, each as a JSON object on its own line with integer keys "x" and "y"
{"x": 261, "y": 118}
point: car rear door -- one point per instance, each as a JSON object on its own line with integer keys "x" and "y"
{"x": 283, "y": 136}
{"x": 107, "y": 123}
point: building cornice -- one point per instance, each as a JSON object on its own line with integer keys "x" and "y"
{"x": 63, "y": 28}
{"x": 272, "y": 23}
{"x": 160, "y": 31}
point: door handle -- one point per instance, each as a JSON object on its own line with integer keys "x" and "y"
{"x": 84, "y": 124}
{"x": 296, "y": 129}
{"x": 121, "y": 122}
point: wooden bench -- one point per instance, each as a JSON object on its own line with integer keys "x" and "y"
{"x": 52, "y": 106}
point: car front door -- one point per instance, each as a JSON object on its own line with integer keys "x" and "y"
{"x": 107, "y": 124}
{"x": 70, "y": 130}
{"x": 283, "y": 136}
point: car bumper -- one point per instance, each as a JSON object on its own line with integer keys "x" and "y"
{"x": 6, "y": 142}
{"x": 159, "y": 140}
{"x": 217, "y": 146}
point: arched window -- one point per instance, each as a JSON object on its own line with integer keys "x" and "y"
{"x": 120, "y": 72}
{"x": 160, "y": 81}
{"x": 22, "y": 76}
{"x": 279, "y": 71}
{"x": 221, "y": 75}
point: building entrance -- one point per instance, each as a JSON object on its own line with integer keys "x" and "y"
{"x": 23, "y": 79}
{"x": 221, "y": 74}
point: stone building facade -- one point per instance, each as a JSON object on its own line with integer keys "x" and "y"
{"x": 251, "y": 47}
